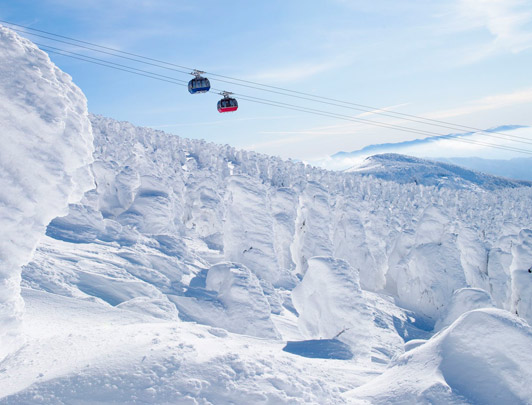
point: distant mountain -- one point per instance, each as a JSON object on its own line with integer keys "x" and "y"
{"x": 397, "y": 146}
{"x": 517, "y": 168}
{"x": 407, "y": 169}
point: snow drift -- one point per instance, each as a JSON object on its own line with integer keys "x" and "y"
{"x": 482, "y": 358}
{"x": 46, "y": 148}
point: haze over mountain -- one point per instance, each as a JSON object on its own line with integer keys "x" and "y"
{"x": 443, "y": 149}
{"x": 159, "y": 269}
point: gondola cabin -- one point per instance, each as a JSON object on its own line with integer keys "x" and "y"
{"x": 199, "y": 85}
{"x": 227, "y": 104}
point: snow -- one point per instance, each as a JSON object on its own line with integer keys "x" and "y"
{"x": 46, "y": 149}
{"x": 330, "y": 304}
{"x": 246, "y": 308}
{"x": 197, "y": 273}
{"x": 482, "y": 358}
{"x": 82, "y": 352}
{"x": 521, "y": 269}
{"x": 407, "y": 169}
{"x": 462, "y": 301}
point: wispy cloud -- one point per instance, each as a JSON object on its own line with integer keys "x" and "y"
{"x": 340, "y": 129}
{"x": 508, "y": 21}
{"x": 493, "y": 102}
{"x": 295, "y": 72}
{"x": 296, "y": 138}
{"x": 367, "y": 131}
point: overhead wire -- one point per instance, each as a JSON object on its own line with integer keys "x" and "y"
{"x": 249, "y": 98}
{"x": 293, "y": 107}
{"x": 264, "y": 87}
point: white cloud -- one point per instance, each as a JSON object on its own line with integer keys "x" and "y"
{"x": 492, "y": 102}
{"x": 508, "y": 21}
{"x": 295, "y": 72}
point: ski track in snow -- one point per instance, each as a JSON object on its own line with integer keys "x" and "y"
{"x": 183, "y": 273}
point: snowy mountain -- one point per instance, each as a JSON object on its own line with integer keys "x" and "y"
{"x": 188, "y": 272}
{"x": 408, "y": 169}
{"x": 407, "y": 146}
{"x": 440, "y": 148}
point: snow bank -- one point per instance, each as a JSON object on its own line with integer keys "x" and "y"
{"x": 46, "y": 147}
{"x": 484, "y": 357}
{"x": 176, "y": 207}
{"x": 462, "y": 301}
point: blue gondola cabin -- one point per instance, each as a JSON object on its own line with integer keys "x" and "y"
{"x": 199, "y": 85}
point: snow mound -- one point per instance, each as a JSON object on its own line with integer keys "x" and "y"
{"x": 462, "y": 301}
{"x": 46, "y": 149}
{"x": 82, "y": 352}
{"x": 407, "y": 169}
{"x": 484, "y": 357}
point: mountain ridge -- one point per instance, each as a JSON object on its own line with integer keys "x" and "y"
{"x": 403, "y": 169}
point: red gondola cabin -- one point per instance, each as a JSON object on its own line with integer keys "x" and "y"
{"x": 227, "y": 104}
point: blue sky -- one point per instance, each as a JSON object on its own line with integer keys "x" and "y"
{"x": 463, "y": 61}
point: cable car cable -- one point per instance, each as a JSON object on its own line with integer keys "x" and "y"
{"x": 355, "y": 119}
{"x": 442, "y": 137}
{"x": 288, "y": 106}
{"x": 51, "y": 49}
{"x": 107, "y": 53}
{"x": 119, "y": 68}
{"x": 378, "y": 123}
{"x": 315, "y": 98}
{"x": 92, "y": 44}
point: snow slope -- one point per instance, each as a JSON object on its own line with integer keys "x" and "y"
{"x": 46, "y": 149}
{"x": 80, "y": 352}
{"x": 479, "y": 359}
{"x": 407, "y": 169}
{"x": 197, "y": 273}
{"x": 182, "y": 230}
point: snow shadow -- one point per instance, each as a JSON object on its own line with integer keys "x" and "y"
{"x": 320, "y": 349}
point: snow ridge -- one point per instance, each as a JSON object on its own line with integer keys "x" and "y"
{"x": 407, "y": 169}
